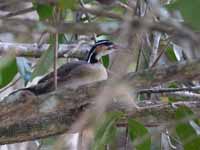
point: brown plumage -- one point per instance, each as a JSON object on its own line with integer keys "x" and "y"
{"x": 77, "y": 73}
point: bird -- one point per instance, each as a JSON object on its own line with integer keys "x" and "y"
{"x": 77, "y": 73}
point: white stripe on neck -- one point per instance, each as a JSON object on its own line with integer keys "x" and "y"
{"x": 89, "y": 59}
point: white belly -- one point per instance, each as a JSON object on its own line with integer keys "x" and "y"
{"x": 86, "y": 74}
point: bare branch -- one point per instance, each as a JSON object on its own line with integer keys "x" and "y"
{"x": 9, "y": 25}
{"x": 19, "y": 12}
{"x": 100, "y": 12}
{"x": 34, "y": 50}
{"x": 169, "y": 90}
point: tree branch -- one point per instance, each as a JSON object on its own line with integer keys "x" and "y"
{"x": 169, "y": 90}
{"x": 25, "y": 26}
{"x": 33, "y": 50}
{"x": 19, "y": 12}
{"x": 25, "y": 116}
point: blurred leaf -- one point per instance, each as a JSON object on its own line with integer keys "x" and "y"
{"x": 118, "y": 10}
{"x": 106, "y": 61}
{"x": 67, "y": 4}
{"x": 106, "y": 131}
{"x": 164, "y": 99}
{"x": 124, "y": 1}
{"x": 171, "y": 55}
{"x": 49, "y": 140}
{"x": 189, "y": 10}
{"x": 44, "y": 11}
{"x": 185, "y": 131}
{"x": 173, "y": 85}
{"x": 88, "y": 1}
{"x": 139, "y": 135}
{"x": 183, "y": 112}
{"x": 61, "y": 38}
{"x": 8, "y": 69}
{"x": 24, "y": 68}
{"x": 198, "y": 121}
{"x": 45, "y": 61}
{"x": 176, "y": 99}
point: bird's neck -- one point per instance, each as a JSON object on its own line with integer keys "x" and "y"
{"x": 92, "y": 58}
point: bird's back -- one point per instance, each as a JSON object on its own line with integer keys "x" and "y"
{"x": 71, "y": 74}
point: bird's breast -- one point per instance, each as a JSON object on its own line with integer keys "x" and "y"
{"x": 86, "y": 74}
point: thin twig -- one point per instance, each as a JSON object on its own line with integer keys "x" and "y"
{"x": 155, "y": 47}
{"x": 19, "y": 12}
{"x": 145, "y": 58}
{"x": 159, "y": 55}
{"x": 39, "y": 42}
{"x": 127, "y": 138}
{"x": 169, "y": 90}
{"x": 138, "y": 59}
{"x": 55, "y": 61}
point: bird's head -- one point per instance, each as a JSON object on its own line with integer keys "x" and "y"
{"x": 100, "y": 48}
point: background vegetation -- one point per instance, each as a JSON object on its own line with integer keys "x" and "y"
{"x": 154, "y": 78}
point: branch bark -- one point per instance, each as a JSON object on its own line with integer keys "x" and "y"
{"x": 26, "y": 116}
{"x": 33, "y": 50}
{"x": 25, "y": 26}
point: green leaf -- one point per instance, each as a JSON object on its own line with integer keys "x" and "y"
{"x": 8, "y": 69}
{"x": 170, "y": 54}
{"x": 44, "y": 11}
{"x": 173, "y": 85}
{"x": 44, "y": 63}
{"x": 189, "y": 10}
{"x": 124, "y": 1}
{"x": 67, "y": 4}
{"x": 185, "y": 131}
{"x": 61, "y": 38}
{"x": 106, "y": 131}
{"x": 139, "y": 135}
{"x": 106, "y": 61}
{"x": 183, "y": 112}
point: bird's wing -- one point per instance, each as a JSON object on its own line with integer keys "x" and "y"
{"x": 84, "y": 74}
{"x": 71, "y": 75}
{"x": 63, "y": 70}
{"x": 46, "y": 84}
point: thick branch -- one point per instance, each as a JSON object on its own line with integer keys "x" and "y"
{"x": 177, "y": 72}
{"x": 33, "y": 50}
{"x": 25, "y": 26}
{"x": 25, "y": 116}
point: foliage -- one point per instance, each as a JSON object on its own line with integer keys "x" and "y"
{"x": 185, "y": 131}
{"x": 106, "y": 131}
{"x": 139, "y": 135}
{"x": 189, "y": 10}
{"x": 8, "y": 69}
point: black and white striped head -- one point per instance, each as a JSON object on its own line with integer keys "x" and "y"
{"x": 100, "y": 48}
